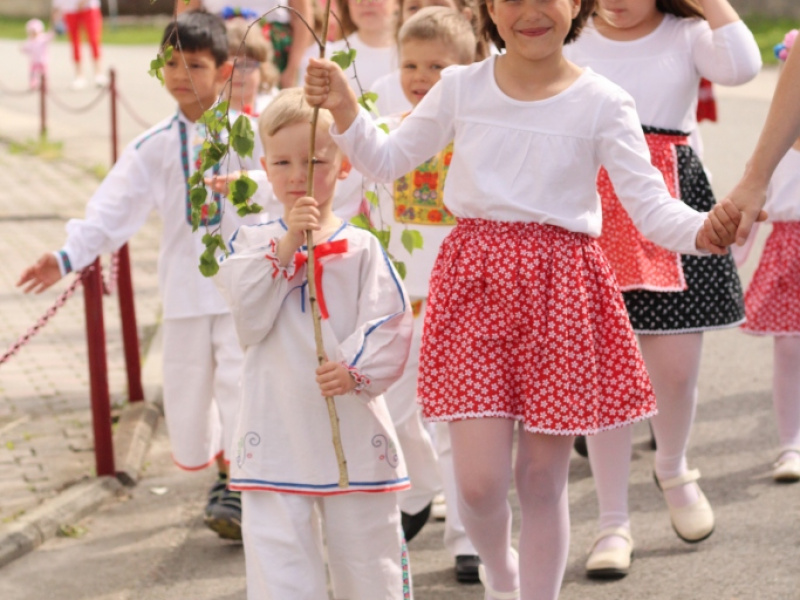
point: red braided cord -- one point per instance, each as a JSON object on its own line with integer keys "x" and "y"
{"x": 48, "y": 314}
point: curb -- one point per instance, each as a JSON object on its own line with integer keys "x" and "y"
{"x": 131, "y": 443}
{"x": 42, "y": 523}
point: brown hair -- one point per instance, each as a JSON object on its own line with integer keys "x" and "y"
{"x": 489, "y": 29}
{"x": 681, "y": 8}
{"x": 444, "y": 25}
{"x": 345, "y": 19}
{"x": 481, "y": 47}
{"x": 245, "y": 41}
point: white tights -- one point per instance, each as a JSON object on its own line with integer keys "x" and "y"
{"x": 482, "y": 460}
{"x": 786, "y": 390}
{"x": 673, "y": 363}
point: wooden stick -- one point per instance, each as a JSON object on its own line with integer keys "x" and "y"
{"x": 344, "y": 480}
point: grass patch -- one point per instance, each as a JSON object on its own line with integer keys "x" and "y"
{"x": 143, "y": 31}
{"x": 768, "y": 32}
{"x": 40, "y": 147}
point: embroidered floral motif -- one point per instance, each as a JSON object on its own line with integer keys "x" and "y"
{"x": 287, "y": 272}
{"x": 251, "y": 438}
{"x": 361, "y": 380}
{"x": 417, "y": 195}
{"x": 406, "y": 572}
{"x": 197, "y": 144}
{"x": 388, "y": 448}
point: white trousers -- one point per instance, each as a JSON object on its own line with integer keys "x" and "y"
{"x": 202, "y": 370}
{"x": 418, "y": 450}
{"x": 284, "y": 559}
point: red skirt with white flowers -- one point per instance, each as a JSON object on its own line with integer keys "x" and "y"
{"x": 525, "y": 321}
{"x": 772, "y": 301}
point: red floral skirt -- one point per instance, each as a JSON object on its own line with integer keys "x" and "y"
{"x": 525, "y": 321}
{"x": 772, "y": 301}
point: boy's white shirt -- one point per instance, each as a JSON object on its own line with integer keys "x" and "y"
{"x": 283, "y": 436}
{"x": 149, "y": 176}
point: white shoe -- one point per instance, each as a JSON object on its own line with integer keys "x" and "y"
{"x": 439, "y": 508}
{"x": 78, "y": 83}
{"x": 489, "y": 591}
{"x": 612, "y": 563}
{"x": 695, "y": 522}
{"x": 787, "y": 467}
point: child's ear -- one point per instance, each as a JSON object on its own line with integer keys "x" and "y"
{"x": 467, "y": 13}
{"x": 345, "y": 169}
{"x": 224, "y": 71}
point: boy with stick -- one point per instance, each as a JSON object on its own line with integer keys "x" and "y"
{"x": 284, "y": 463}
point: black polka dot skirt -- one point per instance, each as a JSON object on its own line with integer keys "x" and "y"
{"x": 713, "y": 298}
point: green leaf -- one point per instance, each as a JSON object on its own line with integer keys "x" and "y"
{"x": 384, "y": 235}
{"x": 196, "y": 178}
{"x": 383, "y": 127}
{"x": 242, "y": 136}
{"x": 213, "y": 150}
{"x": 71, "y": 531}
{"x": 368, "y": 100}
{"x": 361, "y": 220}
{"x": 168, "y": 52}
{"x": 371, "y": 197}
{"x": 212, "y": 210}
{"x": 401, "y": 268}
{"x": 197, "y": 196}
{"x": 155, "y": 68}
{"x": 242, "y": 189}
{"x": 411, "y": 239}
{"x": 344, "y": 58}
{"x": 208, "y": 263}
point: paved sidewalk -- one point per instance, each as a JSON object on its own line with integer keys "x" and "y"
{"x": 149, "y": 543}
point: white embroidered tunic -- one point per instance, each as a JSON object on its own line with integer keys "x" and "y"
{"x": 282, "y": 440}
{"x": 151, "y": 175}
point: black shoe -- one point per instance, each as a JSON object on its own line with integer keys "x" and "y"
{"x": 467, "y": 568}
{"x": 412, "y": 524}
{"x": 223, "y": 513}
{"x": 580, "y": 446}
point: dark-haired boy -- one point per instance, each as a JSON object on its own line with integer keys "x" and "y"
{"x": 202, "y": 357}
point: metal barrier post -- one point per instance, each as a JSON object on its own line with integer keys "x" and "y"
{"x": 98, "y": 371}
{"x": 127, "y": 307}
{"x": 42, "y": 106}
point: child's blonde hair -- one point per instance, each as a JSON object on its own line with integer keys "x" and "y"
{"x": 481, "y": 47}
{"x": 444, "y": 25}
{"x": 289, "y": 107}
{"x": 245, "y": 41}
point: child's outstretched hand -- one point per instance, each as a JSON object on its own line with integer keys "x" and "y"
{"x": 219, "y": 184}
{"x": 326, "y": 87}
{"x": 334, "y": 379}
{"x": 40, "y": 276}
{"x": 722, "y": 223}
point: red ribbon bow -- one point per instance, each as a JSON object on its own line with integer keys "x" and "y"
{"x": 320, "y": 251}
